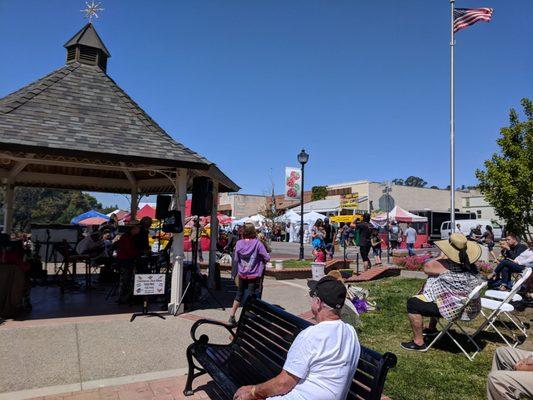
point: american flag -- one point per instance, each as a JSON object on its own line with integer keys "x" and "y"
{"x": 463, "y": 17}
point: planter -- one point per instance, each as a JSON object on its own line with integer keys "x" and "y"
{"x": 346, "y": 273}
{"x": 405, "y": 273}
{"x": 317, "y": 270}
{"x": 289, "y": 273}
{"x": 278, "y": 264}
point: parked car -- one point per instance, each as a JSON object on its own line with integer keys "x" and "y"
{"x": 466, "y": 225}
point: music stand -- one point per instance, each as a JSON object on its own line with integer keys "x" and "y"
{"x": 145, "y": 311}
{"x": 196, "y": 278}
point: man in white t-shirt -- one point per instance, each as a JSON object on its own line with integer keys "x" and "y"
{"x": 410, "y": 239}
{"x": 322, "y": 359}
{"x": 90, "y": 245}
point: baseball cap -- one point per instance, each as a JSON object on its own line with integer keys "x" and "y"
{"x": 329, "y": 290}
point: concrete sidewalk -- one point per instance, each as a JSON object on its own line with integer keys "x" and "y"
{"x": 159, "y": 389}
{"x": 74, "y": 354}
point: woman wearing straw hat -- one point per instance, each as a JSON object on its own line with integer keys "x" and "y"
{"x": 451, "y": 279}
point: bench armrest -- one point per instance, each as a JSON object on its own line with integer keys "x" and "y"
{"x": 204, "y": 338}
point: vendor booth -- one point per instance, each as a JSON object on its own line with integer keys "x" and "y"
{"x": 402, "y": 217}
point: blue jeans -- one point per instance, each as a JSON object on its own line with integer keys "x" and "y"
{"x": 505, "y": 268}
{"x": 411, "y": 249}
{"x": 330, "y": 248}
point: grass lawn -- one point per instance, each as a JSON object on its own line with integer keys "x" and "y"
{"x": 441, "y": 373}
{"x": 296, "y": 263}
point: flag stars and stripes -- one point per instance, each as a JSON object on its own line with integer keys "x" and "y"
{"x": 463, "y": 17}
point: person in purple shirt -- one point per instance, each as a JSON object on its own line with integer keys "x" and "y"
{"x": 250, "y": 255}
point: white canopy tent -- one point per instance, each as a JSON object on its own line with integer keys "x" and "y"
{"x": 257, "y": 220}
{"x": 311, "y": 217}
{"x": 289, "y": 216}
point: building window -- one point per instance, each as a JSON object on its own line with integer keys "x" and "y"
{"x": 343, "y": 191}
{"x": 478, "y": 213}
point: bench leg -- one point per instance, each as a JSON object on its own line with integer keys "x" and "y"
{"x": 191, "y": 375}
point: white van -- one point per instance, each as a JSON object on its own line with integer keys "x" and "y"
{"x": 466, "y": 225}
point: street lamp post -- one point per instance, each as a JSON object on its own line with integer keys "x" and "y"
{"x": 303, "y": 157}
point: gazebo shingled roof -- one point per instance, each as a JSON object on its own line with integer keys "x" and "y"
{"x": 77, "y": 129}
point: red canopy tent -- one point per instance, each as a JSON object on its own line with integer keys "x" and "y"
{"x": 403, "y": 217}
{"x": 146, "y": 211}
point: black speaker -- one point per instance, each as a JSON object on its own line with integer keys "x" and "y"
{"x": 202, "y": 196}
{"x": 172, "y": 222}
{"x": 162, "y": 206}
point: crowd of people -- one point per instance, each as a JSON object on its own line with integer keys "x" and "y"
{"x": 119, "y": 252}
{"x": 312, "y": 364}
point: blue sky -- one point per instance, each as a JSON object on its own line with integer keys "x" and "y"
{"x": 363, "y": 86}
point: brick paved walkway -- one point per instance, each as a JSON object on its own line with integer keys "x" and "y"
{"x": 161, "y": 389}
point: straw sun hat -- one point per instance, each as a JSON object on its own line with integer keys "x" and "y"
{"x": 458, "y": 243}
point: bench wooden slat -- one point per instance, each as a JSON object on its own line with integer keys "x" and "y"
{"x": 366, "y": 366}
{"x": 290, "y": 323}
{"x": 280, "y": 335}
{"x": 269, "y": 330}
{"x": 245, "y": 369}
{"x": 254, "y": 345}
{"x": 363, "y": 378}
{"x": 268, "y": 360}
{"x": 269, "y": 341}
{"x": 358, "y": 389}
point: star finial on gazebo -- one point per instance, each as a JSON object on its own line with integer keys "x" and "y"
{"x": 92, "y": 10}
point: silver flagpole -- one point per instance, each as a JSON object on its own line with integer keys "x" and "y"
{"x": 452, "y": 121}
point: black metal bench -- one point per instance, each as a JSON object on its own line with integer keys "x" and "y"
{"x": 258, "y": 351}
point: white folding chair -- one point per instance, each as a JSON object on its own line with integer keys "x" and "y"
{"x": 445, "y": 329}
{"x": 500, "y": 295}
{"x": 504, "y": 306}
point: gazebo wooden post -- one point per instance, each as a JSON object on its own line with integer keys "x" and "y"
{"x": 134, "y": 202}
{"x": 211, "y": 274}
{"x": 8, "y": 207}
{"x": 177, "y": 254}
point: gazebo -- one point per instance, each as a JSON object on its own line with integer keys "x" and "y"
{"x": 75, "y": 128}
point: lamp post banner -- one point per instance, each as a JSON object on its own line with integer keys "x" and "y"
{"x": 293, "y": 183}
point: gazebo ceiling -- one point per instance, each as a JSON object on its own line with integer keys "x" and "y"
{"x": 77, "y": 129}
{"x": 37, "y": 170}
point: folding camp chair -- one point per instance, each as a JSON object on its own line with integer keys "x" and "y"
{"x": 506, "y": 308}
{"x": 501, "y": 295}
{"x": 445, "y": 329}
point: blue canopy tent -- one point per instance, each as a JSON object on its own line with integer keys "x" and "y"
{"x": 88, "y": 214}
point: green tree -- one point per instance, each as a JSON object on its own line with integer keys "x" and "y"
{"x": 507, "y": 180}
{"x": 37, "y": 205}
{"x": 319, "y": 192}
{"x": 415, "y": 181}
{"x": 398, "y": 181}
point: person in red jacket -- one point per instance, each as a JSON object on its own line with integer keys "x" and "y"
{"x": 127, "y": 253}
